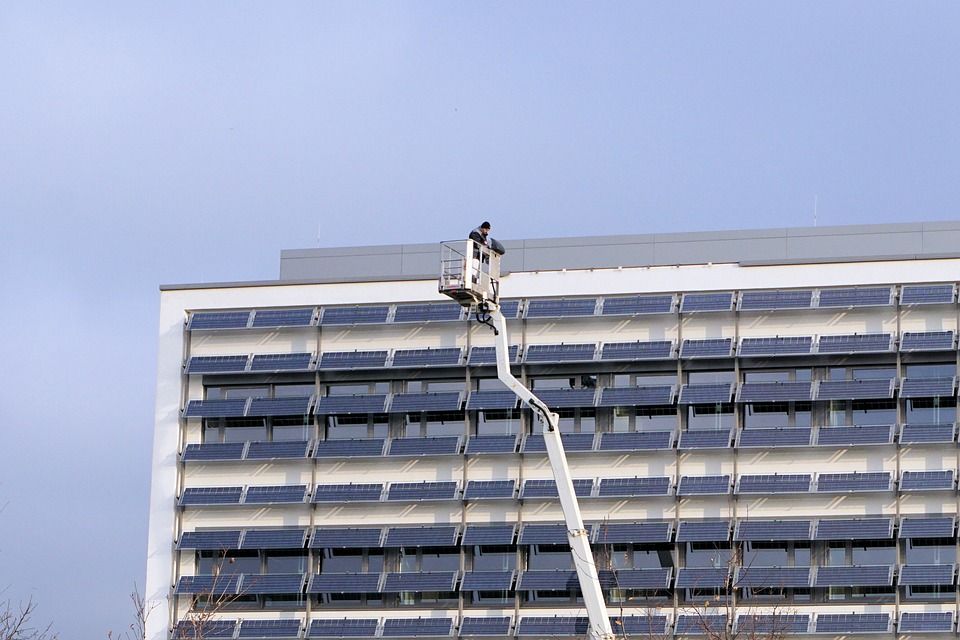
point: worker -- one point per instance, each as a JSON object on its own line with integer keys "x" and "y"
{"x": 480, "y": 234}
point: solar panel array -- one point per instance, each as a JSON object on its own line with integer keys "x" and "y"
{"x": 775, "y": 392}
{"x": 927, "y": 341}
{"x": 567, "y": 398}
{"x": 706, "y": 393}
{"x": 927, "y": 527}
{"x": 771, "y": 300}
{"x": 927, "y": 433}
{"x": 376, "y": 314}
{"x": 852, "y": 482}
{"x": 857, "y": 576}
{"x": 560, "y": 307}
{"x": 926, "y": 622}
{"x": 695, "y": 302}
{"x": 416, "y": 491}
{"x": 201, "y": 320}
{"x": 775, "y": 438}
{"x": 776, "y": 346}
{"x": 855, "y": 297}
{"x": 352, "y": 360}
{"x": 927, "y": 294}
{"x": 855, "y": 389}
{"x": 217, "y": 364}
{"x": 416, "y": 627}
{"x": 480, "y": 445}
{"x": 707, "y": 348}
{"x": 628, "y": 487}
{"x": 636, "y": 305}
{"x": 769, "y": 530}
{"x": 436, "y": 357}
{"x": 480, "y": 356}
{"x": 927, "y": 387}
{"x": 636, "y": 396}
{"x": 293, "y": 406}
{"x": 344, "y": 628}
{"x": 775, "y": 483}
{"x": 927, "y": 480}
{"x": 632, "y": 351}
{"x": 269, "y": 629}
{"x": 359, "y": 492}
{"x": 560, "y": 353}
{"x": 853, "y": 528}
{"x": 704, "y": 485}
{"x": 418, "y": 402}
{"x": 704, "y": 439}
{"x": 927, "y": 575}
{"x": 855, "y": 343}
{"x": 445, "y": 445}
{"x": 429, "y": 312}
{"x": 275, "y": 318}
{"x": 853, "y": 622}
{"x": 855, "y": 435}
{"x": 490, "y": 489}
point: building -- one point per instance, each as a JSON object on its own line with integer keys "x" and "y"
{"x": 766, "y": 414}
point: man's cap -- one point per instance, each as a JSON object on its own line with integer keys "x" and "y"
{"x": 484, "y": 225}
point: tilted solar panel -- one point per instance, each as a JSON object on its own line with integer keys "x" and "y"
{"x": 202, "y": 496}
{"x": 630, "y": 351}
{"x": 927, "y": 527}
{"x": 702, "y": 577}
{"x": 480, "y": 356}
{"x": 299, "y": 406}
{"x": 352, "y": 448}
{"x": 345, "y": 628}
{"x": 700, "y": 625}
{"x": 543, "y": 533}
{"x": 269, "y": 629}
{"x": 927, "y": 341}
{"x": 927, "y": 433}
{"x": 560, "y": 308}
{"x": 776, "y": 624}
{"x": 490, "y": 490}
{"x": 703, "y": 531}
{"x": 281, "y": 449}
{"x": 363, "y": 492}
{"x": 706, "y": 393}
{"x": 351, "y": 404}
{"x": 927, "y": 480}
{"x": 548, "y": 488}
{"x": 857, "y": 576}
{"x": 276, "y": 362}
{"x": 427, "y": 536}
{"x": 487, "y": 626}
{"x": 777, "y": 437}
{"x": 233, "y": 408}
{"x": 488, "y": 534}
{"x": 547, "y": 581}
{"x": 218, "y": 320}
{"x": 221, "y": 540}
{"x": 855, "y": 389}
{"x": 628, "y": 487}
{"x": 572, "y": 442}
{"x": 271, "y": 318}
{"x": 854, "y": 529}
{"x": 608, "y": 532}
{"x": 274, "y": 539}
{"x": 430, "y": 357}
{"x": 344, "y": 583}
{"x": 416, "y": 491}
{"x": 855, "y": 297}
{"x": 567, "y": 398}
{"x": 480, "y": 445}
{"x": 771, "y": 530}
{"x": 352, "y": 360}
{"x": 853, "y": 482}
{"x": 205, "y": 629}
{"x": 635, "y": 441}
{"x": 853, "y": 623}
{"x": 772, "y": 300}
{"x": 345, "y": 538}
{"x": 704, "y": 439}
{"x": 927, "y": 574}
{"x": 209, "y": 584}
{"x": 420, "y": 581}
{"x": 635, "y": 578}
{"x": 445, "y": 445}
{"x": 581, "y": 352}
{"x": 708, "y": 348}
{"x": 694, "y": 302}
{"x": 928, "y": 387}
{"x": 855, "y": 435}
{"x": 214, "y": 451}
{"x": 774, "y": 483}
{"x": 276, "y": 494}
{"x": 704, "y": 485}
{"x": 776, "y": 346}
{"x": 855, "y": 343}
{"x": 491, "y": 400}
{"x": 217, "y": 364}
{"x": 635, "y": 305}
{"x": 636, "y": 396}
{"x": 775, "y": 392}
{"x": 354, "y": 315}
{"x": 275, "y": 583}
{"x": 429, "y": 312}
{"x": 927, "y": 294}
{"x": 932, "y": 622}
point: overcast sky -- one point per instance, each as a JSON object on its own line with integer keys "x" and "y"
{"x": 160, "y": 142}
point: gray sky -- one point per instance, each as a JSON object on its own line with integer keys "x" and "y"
{"x": 147, "y": 143}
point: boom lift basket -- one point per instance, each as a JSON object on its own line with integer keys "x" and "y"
{"x": 469, "y": 273}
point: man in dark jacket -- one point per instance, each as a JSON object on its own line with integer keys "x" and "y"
{"x": 479, "y": 235}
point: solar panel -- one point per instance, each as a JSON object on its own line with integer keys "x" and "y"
{"x": 364, "y": 492}
{"x": 438, "y": 357}
{"x": 924, "y": 433}
{"x": 853, "y": 623}
{"x": 927, "y": 387}
{"x": 635, "y": 305}
{"x": 926, "y": 341}
{"x": 352, "y": 404}
{"x": 777, "y": 346}
{"x": 920, "y": 527}
{"x": 703, "y": 531}
{"x": 859, "y": 576}
{"x": 772, "y": 530}
{"x": 272, "y": 318}
{"x": 489, "y": 489}
{"x": 480, "y": 356}
{"x": 488, "y": 626}
{"x": 488, "y": 534}
{"x": 705, "y": 393}
{"x": 447, "y": 445}
{"x": 927, "y": 574}
{"x": 210, "y": 540}
{"x": 775, "y": 392}
{"x": 851, "y": 482}
{"x": 560, "y": 308}
{"x": 418, "y": 402}
{"x": 775, "y": 483}
{"x": 636, "y": 441}
{"x": 693, "y": 302}
{"x": 855, "y": 297}
{"x": 480, "y": 445}
{"x": 927, "y": 294}
{"x": 560, "y": 352}
{"x": 700, "y": 625}
{"x": 274, "y": 539}
{"x": 420, "y": 581}
{"x": 543, "y": 533}
{"x": 417, "y": 627}
{"x": 567, "y": 398}
{"x": 200, "y": 496}
{"x": 548, "y": 488}
{"x": 635, "y": 578}
{"x": 232, "y": 408}
{"x": 855, "y": 435}
{"x": 766, "y": 577}
{"x": 636, "y": 396}
{"x": 276, "y": 362}
{"x": 214, "y": 451}
{"x": 218, "y": 320}
{"x": 345, "y": 583}
{"x": 345, "y": 538}
{"x": 704, "y": 439}
{"x": 777, "y": 437}
{"x": 430, "y": 312}
{"x": 548, "y": 581}
{"x": 556, "y": 626}
{"x": 269, "y": 629}
{"x": 572, "y": 442}
{"x": 487, "y": 581}
{"x": 629, "y": 487}
{"x": 227, "y": 584}
{"x": 351, "y": 448}
{"x": 929, "y": 622}
{"x": 854, "y": 529}
{"x": 422, "y": 491}
{"x": 281, "y": 449}
{"x": 280, "y": 406}
{"x": 509, "y": 308}
{"x": 275, "y": 583}
{"x": 709, "y": 348}
{"x": 855, "y": 389}
{"x": 345, "y": 628}
{"x": 771, "y": 300}
{"x": 355, "y": 315}
{"x": 607, "y": 532}
{"x": 702, "y": 578}
{"x": 428, "y": 536}
{"x": 926, "y": 480}
{"x": 703, "y": 485}
{"x": 776, "y": 624}
{"x": 644, "y": 626}
{"x": 352, "y": 360}
{"x": 276, "y": 494}
{"x": 205, "y": 629}
{"x": 217, "y": 364}
{"x": 653, "y": 350}
{"x": 855, "y": 343}
{"x": 491, "y": 400}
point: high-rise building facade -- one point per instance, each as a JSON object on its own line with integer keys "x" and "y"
{"x": 761, "y": 424}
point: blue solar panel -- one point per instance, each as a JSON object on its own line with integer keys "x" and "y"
{"x": 280, "y": 406}
{"x": 216, "y": 408}
{"x": 218, "y": 320}
{"x": 923, "y": 433}
{"x": 352, "y": 360}
{"x": 345, "y": 583}
{"x": 572, "y": 442}
{"x": 926, "y": 480}
{"x": 927, "y": 294}
{"x": 702, "y": 578}
{"x": 853, "y": 623}
{"x": 927, "y": 341}
{"x": 777, "y": 437}
{"x": 706, "y": 302}
{"x": 635, "y": 579}
{"x": 428, "y": 536}
{"x": 855, "y": 435}
{"x": 422, "y": 491}
{"x": 654, "y": 350}
{"x": 417, "y": 627}
{"x": 495, "y": 400}
{"x": 271, "y": 318}
{"x": 214, "y": 451}
{"x": 205, "y": 629}
{"x": 855, "y": 529}
{"x": 705, "y": 393}
{"x": 430, "y": 312}
{"x": 479, "y": 445}
{"x": 489, "y": 489}
{"x": 560, "y": 308}
{"x": 636, "y": 396}
{"x": 607, "y": 532}
{"x": 859, "y": 576}
{"x": 210, "y": 540}
{"x": 471, "y": 626}
{"x": 766, "y": 577}
{"x": 355, "y": 315}
{"x": 480, "y": 356}
{"x": 769, "y": 300}
{"x": 487, "y": 581}
{"x": 547, "y": 581}
{"x": 700, "y": 625}
{"x": 703, "y": 531}
{"x": 276, "y": 494}
{"x": 567, "y": 398}
{"x": 211, "y": 496}
{"x": 635, "y": 305}
{"x": 275, "y": 583}
{"x": 627, "y": 487}
{"x": 345, "y": 628}
{"x": 447, "y": 445}
{"x": 927, "y": 387}
{"x": 543, "y": 533}
{"x": 217, "y": 364}
{"x": 281, "y": 449}
{"x": 438, "y": 357}
{"x": 352, "y": 404}
{"x": 775, "y": 392}
{"x": 929, "y": 622}
{"x": 851, "y": 482}
{"x": 643, "y": 626}
{"x": 353, "y": 448}
{"x": 276, "y": 362}
{"x": 274, "y": 539}
{"x": 488, "y": 534}
{"x": 636, "y": 441}
{"x": 365, "y": 492}
{"x": 771, "y": 530}
{"x": 855, "y": 343}
{"x": 708, "y": 348}
{"x": 776, "y": 625}
{"x": 214, "y": 585}
{"x": 345, "y": 538}
{"x": 777, "y": 346}
{"x": 444, "y": 401}
{"x": 420, "y": 581}
{"x": 560, "y": 353}
{"x": 775, "y": 483}
{"x": 548, "y": 488}
{"x": 929, "y": 527}
{"x": 509, "y": 308}
{"x": 704, "y": 485}
{"x": 927, "y": 574}
{"x": 855, "y": 389}
{"x": 704, "y": 439}
{"x": 855, "y": 297}
{"x": 269, "y": 629}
